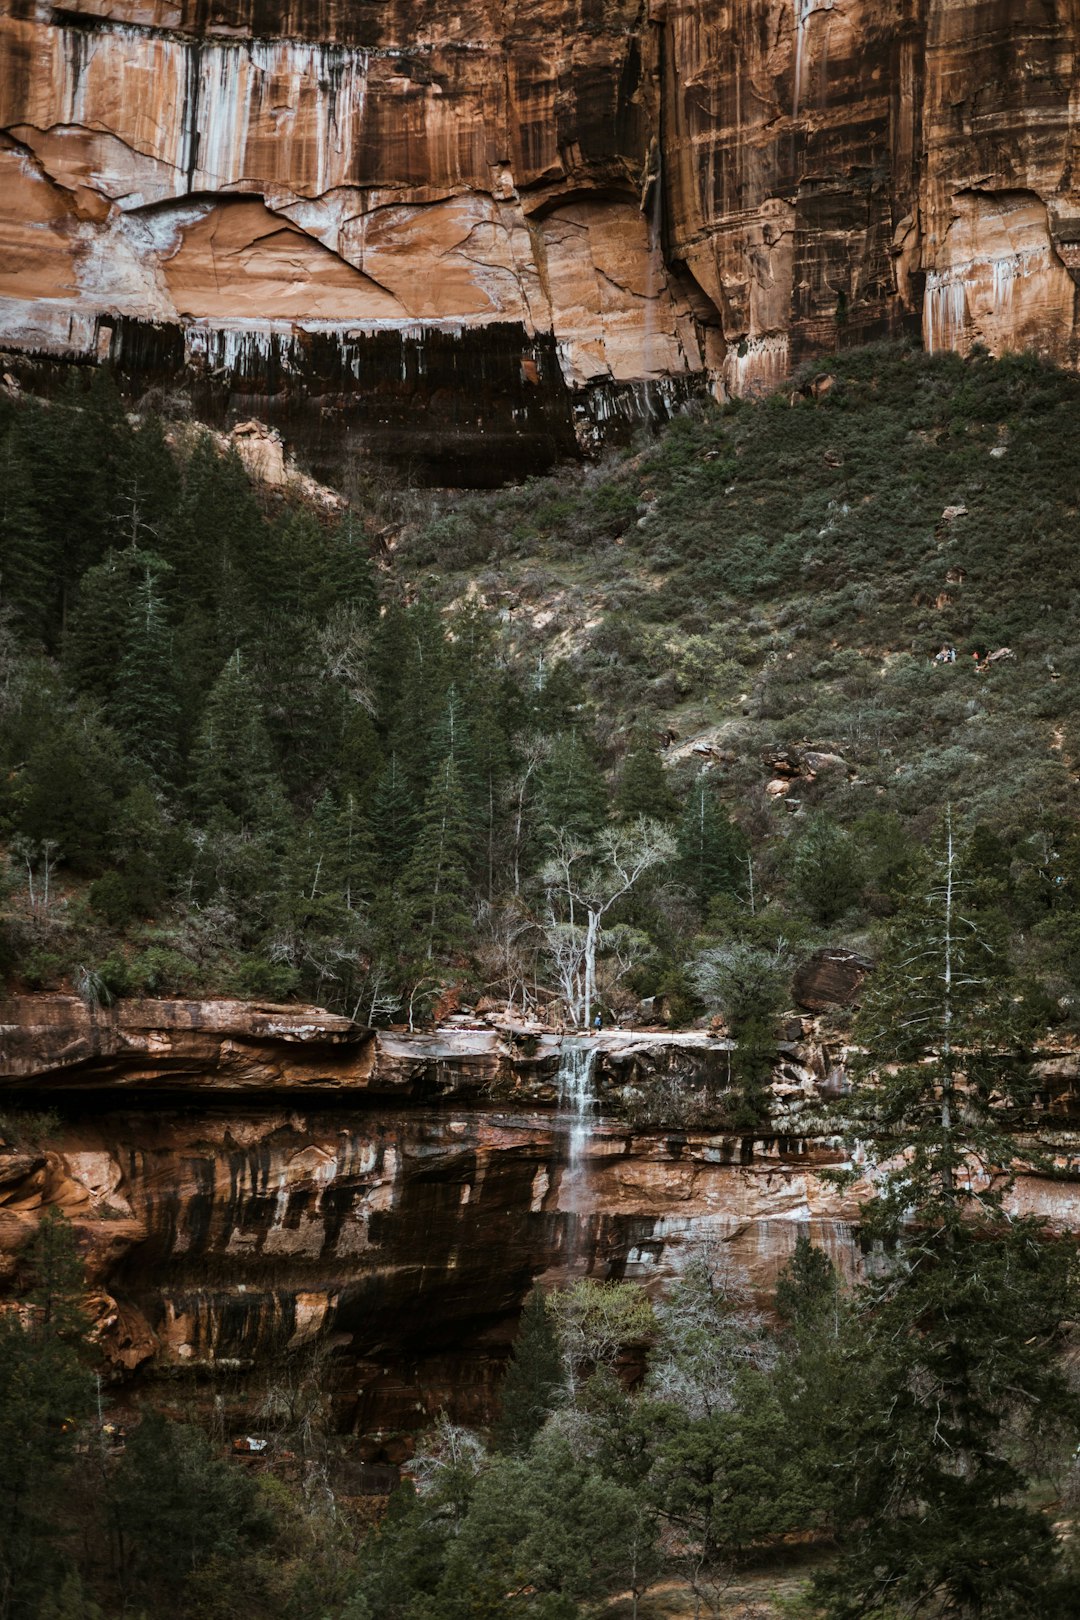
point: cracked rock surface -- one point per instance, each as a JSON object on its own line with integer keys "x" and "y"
{"x": 628, "y": 199}
{"x": 247, "y": 1180}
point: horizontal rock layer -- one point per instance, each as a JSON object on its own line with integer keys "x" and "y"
{"x": 253, "y": 1186}
{"x": 597, "y": 203}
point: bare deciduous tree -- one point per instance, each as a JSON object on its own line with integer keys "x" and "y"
{"x": 583, "y": 881}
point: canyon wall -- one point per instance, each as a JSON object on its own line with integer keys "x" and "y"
{"x": 256, "y": 1186}
{"x": 479, "y": 236}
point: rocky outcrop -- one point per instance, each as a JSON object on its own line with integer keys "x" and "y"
{"x": 830, "y": 977}
{"x": 520, "y": 227}
{"x": 58, "y": 1041}
{"x": 253, "y": 1186}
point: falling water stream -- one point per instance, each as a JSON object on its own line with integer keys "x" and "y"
{"x": 652, "y": 358}
{"x": 577, "y": 1101}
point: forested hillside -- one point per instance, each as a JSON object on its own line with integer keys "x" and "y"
{"x": 634, "y": 742}
{"x": 369, "y": 759}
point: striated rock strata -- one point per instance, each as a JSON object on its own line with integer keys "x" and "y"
{"x": 448, "y": 231}
{"x": 251, "y": 1185}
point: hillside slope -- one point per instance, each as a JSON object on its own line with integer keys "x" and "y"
{"x": 262, "y": 741}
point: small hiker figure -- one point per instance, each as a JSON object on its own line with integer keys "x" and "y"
{"x": 598, "y": 1022}
{"x": 947, "y": 654}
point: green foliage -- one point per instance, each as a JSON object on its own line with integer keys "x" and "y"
{"x": 748, "y": 985}
{"x": 44, "y": 1391}
{"x": 213, "y": 706}
{"x": 574, "y": 796}
{"x": 955, "y": 1365}
{"x": 940, "y": 1027}
{"x": 643, "y": 787}
{"x": 437, "y": 876}
{"x": 533, "y": 1378}
{"x": 175, "y": 1505}
{"x": 711, "y": 849}
{"x": 596, "y": 1320}
{"x": 825, "y": 872}
{"x": 954, "y": 1370}
{"x": 232, "y": 764}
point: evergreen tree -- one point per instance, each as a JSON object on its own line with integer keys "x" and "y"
{"x": 825, "y": 874}
{"x": 43, "y": 1392}
{"x": 808, "y": 1288}
{"x": 554, "y": 1523}
{"x": 74, "y": 775}
{"x": 748, "y": 985}
{"x": 417, "y": 690}
{"x": 575, "y": 797}
{"x": 119, "y": 648}
{"x": 437, "y": 876}
{"x": 232, "y": 769}
{"x": 711, "y": 849}
{"x": 955, "y": 1362}
{"x": 394, "y": 821}
{"x": 28, "y": 561}
{"x": 887, "y": 857}
{"x": 533, "y": 1378}
{"x": 100, "y": 620}
{"x": 217, "y": 546}
{"x": 643, "y": 788}
{"x": 144, "y": 704}
{"x": 69, "y": 1601}
{"x": 174, "y": 1505}
{"x": 81, "y": 460}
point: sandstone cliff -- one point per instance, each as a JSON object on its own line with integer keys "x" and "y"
{"x": 282, "y": 1181}
{"x": 445, "y": 231}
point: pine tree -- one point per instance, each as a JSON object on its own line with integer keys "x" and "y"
{"x": 533, "y": 1379}
{"x": 43, "y": 1392}
{"x": 826, "y": 875}
{"x": 232, "y": 768}
{"x": 418, "y": 687}
{"x": 711, "y": 850}
{"x": 575, "y": 797}
{"x": 643, "y": 788}
{"x": 82, "y": 460}
{"x": 28, "y": 562}
{"x": 144, "y": 704}
{"x": 99, "y": 622}
{"x": 73, "y": 778}
{"x": 437, "y": 876}
{"x": 175, "y": 1505}
{"x": 393, "y": 817}
{"x": 217, "y": 548}
{"x": 956, "y": 1354}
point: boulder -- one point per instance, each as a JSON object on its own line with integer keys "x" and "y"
{"x": 815, "y": 760}
{"x": 830, "y": 977}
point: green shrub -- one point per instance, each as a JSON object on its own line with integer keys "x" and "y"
{"x": 161, "y": 971}
{"x": 256, "y": 978}
{"x": 109, "y": 899}
{"x": 43, "y": 970}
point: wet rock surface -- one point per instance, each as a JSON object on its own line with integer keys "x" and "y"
{"x": 256, "y": 1185}
{"x": 526, "y": 229}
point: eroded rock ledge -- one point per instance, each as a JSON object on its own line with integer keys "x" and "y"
{"x": 251, "y": 1183}
{"x": 451, "y": 233}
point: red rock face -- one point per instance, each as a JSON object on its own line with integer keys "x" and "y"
{"x": 250, "y": 1182}
{"x": 595, "y": 205}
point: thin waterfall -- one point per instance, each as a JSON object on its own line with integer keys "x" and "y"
{"x": 577, "y": 1100}
{"x": 652, "y": 206}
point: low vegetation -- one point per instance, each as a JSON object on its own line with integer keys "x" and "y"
{"x": 649, "y": 732}
{"x": 241, "y": 757}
